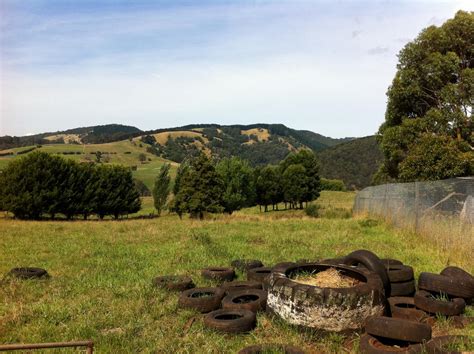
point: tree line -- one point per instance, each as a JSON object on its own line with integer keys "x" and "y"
{"x": 202, "y": 185}
{"x": 43, "y": 185}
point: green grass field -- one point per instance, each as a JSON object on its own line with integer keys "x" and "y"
{"x": 101, "y": 272}
{"x": 122, "y": 152}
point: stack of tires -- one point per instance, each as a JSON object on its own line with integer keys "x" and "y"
{"x": 401, "y": 277}
{"x": 446, "y": 293}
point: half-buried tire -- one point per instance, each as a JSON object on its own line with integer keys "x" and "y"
{"x": 325, "y": 308}
{"x": 231, "y": 321}
{"x": 271, "y": 348}
{"x": 173, "y": 282}
{"x": 28, "y": 273}
{"x": 372, "y": 345}
{"x": 246, "y": 264}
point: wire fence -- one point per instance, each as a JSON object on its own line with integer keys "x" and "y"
{"x": 444, "y": 209}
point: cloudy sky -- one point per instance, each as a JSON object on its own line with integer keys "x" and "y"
{"x": 317, "y": 65}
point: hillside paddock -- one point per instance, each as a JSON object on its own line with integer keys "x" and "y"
{"x": 101, "y": 272}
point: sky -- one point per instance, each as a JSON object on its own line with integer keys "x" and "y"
{"x": 323, "y": 66}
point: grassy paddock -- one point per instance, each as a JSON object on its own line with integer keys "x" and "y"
{"x": 100, "y": 287}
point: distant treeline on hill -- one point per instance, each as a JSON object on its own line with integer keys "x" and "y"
{"x": 232, "y": 184}
{"x": 43, "y": 185}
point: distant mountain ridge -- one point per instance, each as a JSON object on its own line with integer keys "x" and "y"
{"x": 354, "y": 160}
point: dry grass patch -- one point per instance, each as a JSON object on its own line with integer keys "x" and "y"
{"x": 260, "y": 133}
{"x": 329, "y": 278}
{"x": 163, "y": 137}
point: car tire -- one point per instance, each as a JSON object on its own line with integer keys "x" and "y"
{"x": 201, "y": 299}
{"x": 453, "y": 286}
{"x": 218, "y": 273}
{"x": 231, "y": 321}
{"x": 398, "y": 329}
{"x": 371, "y": 345}
{"x": 372, "y": 263}
{"x": 173, "y": 282}
{"x": 425, "y": 301}
{"x": 251, "y": 299}
{"x": 28, "y": 273}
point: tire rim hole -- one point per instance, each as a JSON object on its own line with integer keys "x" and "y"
{"x": 405, "y": 306}
{"x": 245, "y": 299}
{"x": 228, "y": 317}
{"x": 203, "y": 294}
{"x": 390, "y": 342}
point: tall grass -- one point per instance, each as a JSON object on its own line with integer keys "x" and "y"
{"x": 101, "y": 272}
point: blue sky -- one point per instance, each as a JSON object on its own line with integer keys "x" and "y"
{"x": 317, "y": 65}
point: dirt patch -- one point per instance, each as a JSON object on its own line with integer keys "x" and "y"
{"x": 330, "y": 278}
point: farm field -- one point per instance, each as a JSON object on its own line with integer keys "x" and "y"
{"x": 101, "y": 272}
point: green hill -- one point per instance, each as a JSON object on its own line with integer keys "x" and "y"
{"x": 352, "y": 160}
{"x": 123, "y": 152}
{"x": 355, "y": 162}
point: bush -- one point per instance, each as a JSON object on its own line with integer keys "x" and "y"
{"x": 312, "y": 210}
{"x": 41, "y": 184}
{"x": 332, "y": 185}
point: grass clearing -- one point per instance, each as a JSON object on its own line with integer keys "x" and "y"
{"x": 101, "y": 273}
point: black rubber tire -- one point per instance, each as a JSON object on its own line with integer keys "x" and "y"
{"x": 387, "y": 262}
{"x": 398, "y": 329}
{"x": 250, "y": 299}
{"x": 271, "y": 348}
{"x": 453, "y": 286}
{"x": 218, "y": 273}
{"x": 371, "y": 345}
{"x": 190, "y": 299}
{"x": 407, "y": 288}
{"x": 231, "y": 321}
{"x": 372, "y": 263}
{"x": 456, "y": 272}
{"x": 173, "y": 282}
{"x": 435, "y": 345}
{"x": 234, "y": 286}
{"x": 282, "y": 265}
{"x": 246, "y": 264}
{"x": 399, "y": 273}
{"x": 28, "y": 273}
{"x": 404, "y": 308}
{"x": 424, "y": 300}
{"x": 260, "y": 274}
{"x": 335, "y": 261}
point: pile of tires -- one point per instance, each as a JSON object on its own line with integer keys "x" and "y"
{"x": 385, "y": 302}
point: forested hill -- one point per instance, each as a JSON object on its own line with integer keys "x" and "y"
{"x": 352, "y": 160}
{"x": 355, "y": 162}
{"x": 260, "y": 144}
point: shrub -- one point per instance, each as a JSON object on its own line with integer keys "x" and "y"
{"x": 40, "y": 184}
{"x": 312, "y": 210}
{"x": 332, "y": 185}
